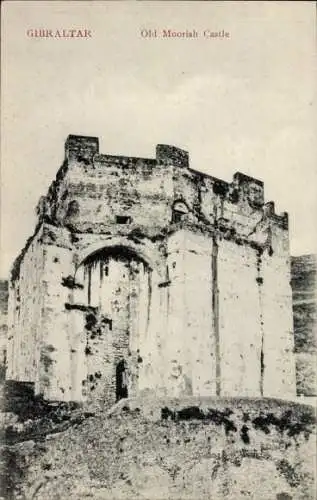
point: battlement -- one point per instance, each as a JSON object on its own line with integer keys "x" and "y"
{"x": 171, "y": 155}
{"x": 81, "y": 147}
{"x": 88, "y": 176}
{"x": 241, "y": 179}
{"x": 86, "y": 148}
{"x": 94, "y": 176}
{"x": 251, "y": 189}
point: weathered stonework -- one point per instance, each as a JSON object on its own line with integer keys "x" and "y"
{"x": 304, "y": 280}
{"x": 145, "y": 275}
{"x": 3, "y": 326}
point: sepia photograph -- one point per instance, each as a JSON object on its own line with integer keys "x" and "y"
{"x": 158, "y": 250}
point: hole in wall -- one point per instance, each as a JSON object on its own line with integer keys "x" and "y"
{"x": 123, "y": 219}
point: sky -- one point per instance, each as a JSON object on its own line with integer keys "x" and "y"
{"x": 243, "y": 103}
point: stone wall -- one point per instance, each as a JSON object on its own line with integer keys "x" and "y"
{"x": 25, "y": 314}
{"x": 240, "y": 331}
{"x": 3, "y": 325}
{"x": 303, "y": 280}
{"x": 304, "y": 272}
{"x": 189, "y": 350}
{"x": 276, "y": 299}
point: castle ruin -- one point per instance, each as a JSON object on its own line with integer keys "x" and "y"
{"x": 145, "y": 275}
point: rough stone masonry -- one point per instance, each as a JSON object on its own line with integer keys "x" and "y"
{"x": 146, "y": 275}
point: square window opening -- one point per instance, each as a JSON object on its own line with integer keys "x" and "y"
{"x": 123, "y": 219}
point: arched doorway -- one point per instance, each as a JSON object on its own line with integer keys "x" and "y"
{"x": 121, "y": 380}
{"x": 179, "y": 211}
{"x": 104, "y": 269}
{"x": 115, "y": 286}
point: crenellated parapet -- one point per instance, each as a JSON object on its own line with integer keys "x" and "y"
{"x": 100, "y": 193}
{"x": 171, "y": 155}
{"x": 147, "y": 200}
{"x": 124, "y": 181}
{"x": 81, "y": 148}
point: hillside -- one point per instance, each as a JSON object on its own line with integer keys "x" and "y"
{"x": 163, "y": 449}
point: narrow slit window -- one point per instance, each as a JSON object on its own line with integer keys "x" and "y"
{"x": 121, "y": 380}
{"x": 177, "y": 216}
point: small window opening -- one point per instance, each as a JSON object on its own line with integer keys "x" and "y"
{"x": 123, "y": 219}
{"x": 121, "y": 380}
{"x": 177, "y": 216}
{"x": 179, "y": 210}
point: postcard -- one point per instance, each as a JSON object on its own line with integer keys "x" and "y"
{"x": 158, "y": 250}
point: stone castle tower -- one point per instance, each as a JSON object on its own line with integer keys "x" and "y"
{"x": 144, "y": 274}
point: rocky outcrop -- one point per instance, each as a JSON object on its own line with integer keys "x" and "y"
{"x": 190, "y": 448}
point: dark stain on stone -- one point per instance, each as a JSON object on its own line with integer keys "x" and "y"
{"x": 46, "y": 360}
{"x": 137, "y": 234}
{"x": 245, "y": 434}
{"x": 73, "y": 238}
{"x": 80, "y": 307}
{"x": 69, "y": 282}
{"x": 46, "y": 466}
{"x": 290, "y": 422}
{"x": 195, "y": 413}
{"x": 91, "y": 321}
{"x": 289, "y": 472}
